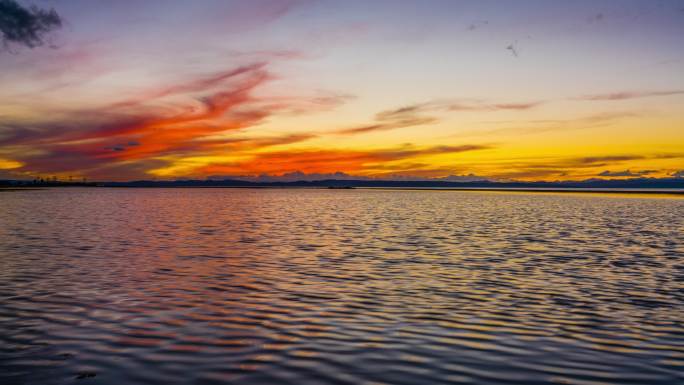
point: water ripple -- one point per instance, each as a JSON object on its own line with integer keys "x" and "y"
{"x": 339, "y": 287}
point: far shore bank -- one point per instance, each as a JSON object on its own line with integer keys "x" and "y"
{"x": 631, "y": 191}
{"x": 537, "y": 190}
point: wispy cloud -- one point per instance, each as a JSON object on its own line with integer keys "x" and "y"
{"x": 456, "y": 105}
{"x": 607, "y": 160}
{"x": 626, "y": 95}
{"x": 626, "y": 173}
{"x": 140, "y": 131}
{"x": 593, "y": 160}
{"x": 154, "y": 128}
{"x": 201, "y": 84}
{"x": 544, "y": 125}
{"x": 545, "y": 168}
{"x": 423, "y": 114}
{"x": 388, "y": 125}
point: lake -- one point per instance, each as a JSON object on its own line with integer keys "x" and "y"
{"x": 288, "y": 286}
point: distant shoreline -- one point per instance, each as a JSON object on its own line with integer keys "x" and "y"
{"x": 20, "y": 188}
{"x": 643, "y": 185}
{"x": 536, "y": 190}
{"x": 635, "y": 191}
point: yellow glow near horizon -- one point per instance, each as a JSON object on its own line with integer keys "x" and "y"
{"x": 8, "y": 164}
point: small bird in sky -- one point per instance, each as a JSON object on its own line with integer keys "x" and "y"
{"x": 597, "y": 18}
{"x": 477, "y": 24}
{"x": 514, "y": 50}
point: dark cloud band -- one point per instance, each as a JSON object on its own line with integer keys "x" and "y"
{"x": 26, "y": 26}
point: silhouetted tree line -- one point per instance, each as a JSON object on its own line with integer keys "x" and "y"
{"x": 47, "y": 182}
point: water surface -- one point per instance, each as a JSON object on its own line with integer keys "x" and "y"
{"x": 212, "y": 286}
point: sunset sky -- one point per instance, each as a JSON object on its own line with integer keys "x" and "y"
{"x": 526, "y": 90}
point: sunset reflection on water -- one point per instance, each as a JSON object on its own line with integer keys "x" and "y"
{"x": 345, "y": 286}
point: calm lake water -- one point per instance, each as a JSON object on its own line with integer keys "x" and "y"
{"x": 213, "y": 286}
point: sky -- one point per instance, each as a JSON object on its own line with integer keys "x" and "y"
{"x": 456, "y": 90}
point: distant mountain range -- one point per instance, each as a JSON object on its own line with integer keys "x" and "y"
{"x": 633, "y": 183}
{"x": 591, "y": 183}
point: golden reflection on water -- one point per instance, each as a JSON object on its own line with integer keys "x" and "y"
{"x": 653, "y": 194}
{"x": 344, "y": 286}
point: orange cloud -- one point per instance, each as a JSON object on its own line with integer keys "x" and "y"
{"x": 135, "y": 130}
{"x": 326, "y": 161}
